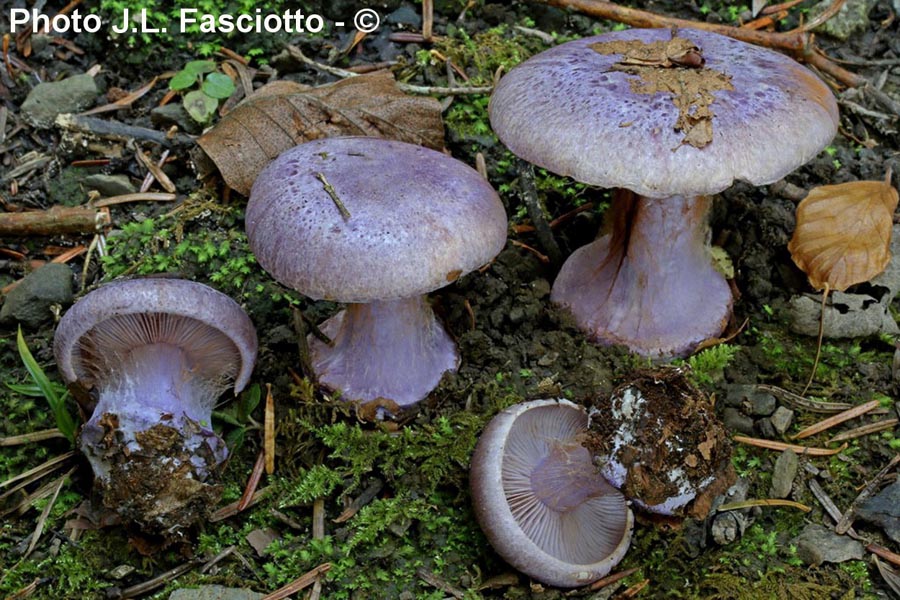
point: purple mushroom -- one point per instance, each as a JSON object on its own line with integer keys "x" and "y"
{"x": 377, "y": 224}
{"x": 541, "y": 502}
{"x": 672, "y": 116}
{"x": 155, "y": 354}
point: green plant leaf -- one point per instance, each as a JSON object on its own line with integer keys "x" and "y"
{"x": 248, "y": 402}
{"x": 199, "y": 67}
{"x": 218, "y": 85}
{"x": 64, "y": 420}
{"x": 32, "y": 390}
{"x": 199, "y": 105}
{"x": 182, "y": 80}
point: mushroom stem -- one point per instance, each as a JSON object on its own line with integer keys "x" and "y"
{"x": 394, "y": 350}
{"x": 648, "y": 282}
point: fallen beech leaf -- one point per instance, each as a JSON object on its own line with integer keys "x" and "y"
{"x": 276, "y": 118}
{"x": 843, "y": 233}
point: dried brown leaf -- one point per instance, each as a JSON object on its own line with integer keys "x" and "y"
{"x": 275, "y": 119}
{"x": 843, "y": 233}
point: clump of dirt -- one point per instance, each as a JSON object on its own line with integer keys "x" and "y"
{"x": 658, "y": 438}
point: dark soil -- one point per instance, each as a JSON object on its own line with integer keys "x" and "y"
{"x": 397, "y": 522}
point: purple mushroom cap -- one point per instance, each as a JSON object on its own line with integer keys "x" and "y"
{"x": 568, "y": 110}
{"x": 375, "y": 223}
{"x": 590, "y": 110}
{"x": 156, "y": 353}
{"x": 541, "y": 502}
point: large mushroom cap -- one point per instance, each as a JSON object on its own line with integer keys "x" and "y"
{"x": 418, "y": 219}
{"x": 571, "y": 111}
{"x": 541, "y": 502}
{"x": 211, "y": 328}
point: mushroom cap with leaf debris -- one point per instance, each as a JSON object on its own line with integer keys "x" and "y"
{"x": 592, "y": 109}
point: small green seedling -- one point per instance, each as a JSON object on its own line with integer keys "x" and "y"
{"x": 238, "y": 414}
{"x": 55, "y": 394}
{"x": 214, "y": 87}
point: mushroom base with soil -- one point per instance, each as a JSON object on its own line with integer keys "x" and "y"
{"x": 391, "y": 350}
{"x": 149, "y": 440}
{"x": 649, "y": 282}
{"x": 658, "y": 440}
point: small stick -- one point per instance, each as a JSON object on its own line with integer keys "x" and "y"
{"x": 142, "y": 588}
{"x": 763, "y": 502}
{"x": 611, "y": 579}
{"x": 846, "y": 521}
{"x": 300, "y": 326}
{"x": 217, "y": 558}
{"x": 269, "y": 431}
{"x": 298, "y": 584}
{"x": 862, "y": 430}
{"x": 364, "y": 498}
{"x": 541, "y": 257}
{"x": 115, "y": 130}
{"x": 427, "y": 19}
{"x": 156, "y": 171}
{"x": 124, "y": 101}
{"x": 230, "y": 510}
{"x": 435, "y": 581}
{"x": 558, "y": 220}
{"x": 136, "y": 197}
{"x": 773, "y": 445}
{"x": 42, "y": 520}
{"x": 837, "y": 419}
{"x": 536, "y": 213}
{"x": 803, "y": 403}
{"x": 812, "y": 374}
{"x": 49, "y": 466}
{"x": 28, "y": 438}
{"x": 334, "y": 197}
{"x": 252, "y": 482}
{"x": 58, "y": 220}
{"x": 318, "y": 520}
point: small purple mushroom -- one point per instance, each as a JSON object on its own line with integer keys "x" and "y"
{"x": 377, "y": 224}
{"x": 541, "y": 502}
{"x": 638, "y": 110}
{"x": 155, "y": 354}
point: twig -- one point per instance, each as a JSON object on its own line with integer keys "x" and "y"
{"x": 44, "y": 468}
{"x": 298, "y": 584}
{"x": 536, "y": 213}
{"x": 124, "y": 101}
{"x": 318, "y": 519}
{"x": 42, "y": 520}
{"x": 303, "y": 327}
{"x": 329, "y": 189}
{"x": 364, "y": 498}
{"x": 611, "y": 579}
{"x": 541, "y": 257}
{"x": 162, "y": 579}
{"x": 230, "y": 510}
{"x": 773, "y": 445}
{"x": 115, "y": 130}
{"x": 136, "y": 197}
{"x": 58, "y": 220}
{"x": 28, "y": 438}
{"x": 803, "y": 403}
{"x": 269, "y": 431}
{"x": 763, "y": 502}
{"x": 156, "y": 171}
{"x": 427, "y": 19}
{"x": 252, "y": 482}
{"x": 862, "y": 430}
{"x": 837, "y": 419}
{"x": 435, "y": 581}
{"x": 297, "y": 54}
{"x": 846, "y": 521}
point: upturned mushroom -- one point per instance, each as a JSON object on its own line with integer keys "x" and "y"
{"x": 376, "y": 224}
{"x": 672, "y": 117}
{"x": 155, "y": 354}
{"x": 541, "y": 502}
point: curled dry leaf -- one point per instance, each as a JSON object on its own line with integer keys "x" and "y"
{"x": 843, "y": 233}
{"x": 284, "y": 115}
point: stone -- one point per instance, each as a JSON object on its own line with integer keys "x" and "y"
{"x": 784, "y": 473}
{"x": 728, "y": 527}
{"x": 174, "y": 113}
{"x": 29, "y": 302}
{"x": 852, "y": 17}
{"x": 110, "y": 185}
{"x": 782, "y": 419}
{"x": 215, "y": 592}
{"x": 735, "y": 421}
{"x": 846, "y": 316}
{"x": 405, "y": 15}
{"x": 817, "y": 544}
{"x": 883, "y": 509}
{"x": 754, "y": 402}
{"x": 47, "y": 100}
